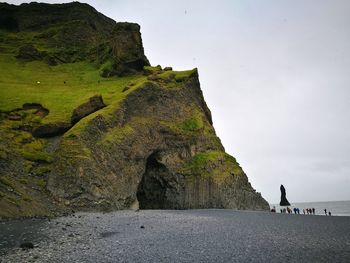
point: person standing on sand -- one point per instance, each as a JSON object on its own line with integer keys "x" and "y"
{"x": 313, "y": 211}
{"x": 325, "y": 211}
{"x": 304, "y": 211}
{"x": 329, "y": 213}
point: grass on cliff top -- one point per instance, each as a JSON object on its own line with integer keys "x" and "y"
{"x": 59, "y": 88}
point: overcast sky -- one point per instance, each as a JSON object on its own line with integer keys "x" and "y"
{"x": 275, "y": 75}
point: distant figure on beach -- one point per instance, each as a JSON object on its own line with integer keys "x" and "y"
{"x": 273, "y": 209}
{"x": 313, "y": 211}
{"x": 284, "y": 201}
{"x": 325, "y": 211}
{"x": 329, "y": 213}
{"x": 304, "y": 211}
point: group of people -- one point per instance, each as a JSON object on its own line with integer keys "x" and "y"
{"x": 325, "y": 212}
{"x": 308, "y": 211}
{"x": 289, "y": 210}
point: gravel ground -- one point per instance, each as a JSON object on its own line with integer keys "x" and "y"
{"x": 179, "y": 236}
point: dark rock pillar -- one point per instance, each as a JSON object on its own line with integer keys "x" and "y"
{"x": 284, "y": 201}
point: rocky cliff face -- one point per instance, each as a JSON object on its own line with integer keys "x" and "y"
{"x": 158, "y": 147}
{"x": 75, "y": 32}
{"x": 146, "y": 140}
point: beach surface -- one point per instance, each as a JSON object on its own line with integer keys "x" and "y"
{"x": 178, "y": 236}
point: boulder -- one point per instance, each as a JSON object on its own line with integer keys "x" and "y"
{"x": 95, "y": 103}
{"x": 27, "y": 245}
{"x": 40, "y": 110}
{"x": 29, "y": 53}
{"x": 51, "y": 129}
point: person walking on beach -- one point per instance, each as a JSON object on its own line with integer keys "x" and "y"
{"x": 304, "y": 211}
{"x": 325, "y": 211}
{"x": 313, "y": 211}
{"x": 329, "y": 213}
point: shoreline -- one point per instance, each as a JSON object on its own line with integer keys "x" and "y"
{"x": 186, "y": 235}
{"x": 337, "y": 208}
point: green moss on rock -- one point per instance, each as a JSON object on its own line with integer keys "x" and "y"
{"x": 194, "y": 123}
{"x": 3, "y": 154}
{"x": 4, "y": 180}
{"x": 116, "y": 134}
{"x": 37, "y": 156}
{"x": 41, "y": 170}
{"x": 41, "y": 183}
{"x": 216, "y": 164}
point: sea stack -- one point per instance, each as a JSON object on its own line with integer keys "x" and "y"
{"x": 284, "y": 201}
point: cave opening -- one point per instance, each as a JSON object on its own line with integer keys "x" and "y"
{"x": 151, "y": 192}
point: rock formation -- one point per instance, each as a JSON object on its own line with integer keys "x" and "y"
{"x": 284, "y": 201}
{"x": 146, "y": 138}
{"x": 75, "y": 32}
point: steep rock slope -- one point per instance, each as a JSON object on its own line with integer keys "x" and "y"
{"x": 84, "y": 135}
{"x": 72, "y": 32}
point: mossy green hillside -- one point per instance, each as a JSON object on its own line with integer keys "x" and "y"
{"x": 216, "y": 164}
{"x": 59, "y": 88}
{"x": 193, "y": 124}
{"x": 17, "y": 142}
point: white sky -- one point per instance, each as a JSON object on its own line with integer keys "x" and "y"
{"x": 275, "y": 75}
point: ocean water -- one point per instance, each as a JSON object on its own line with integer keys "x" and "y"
{"x": 337, "y": 208}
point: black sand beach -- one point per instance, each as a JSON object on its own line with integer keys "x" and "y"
{"x": 179, "y": 236}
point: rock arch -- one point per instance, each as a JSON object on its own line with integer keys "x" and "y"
{"x": 153, "y": 187}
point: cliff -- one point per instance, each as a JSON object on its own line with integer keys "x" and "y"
{"x": 87, "y": 124}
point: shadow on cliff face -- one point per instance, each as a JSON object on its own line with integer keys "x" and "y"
{"x": 151, "y": 192}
